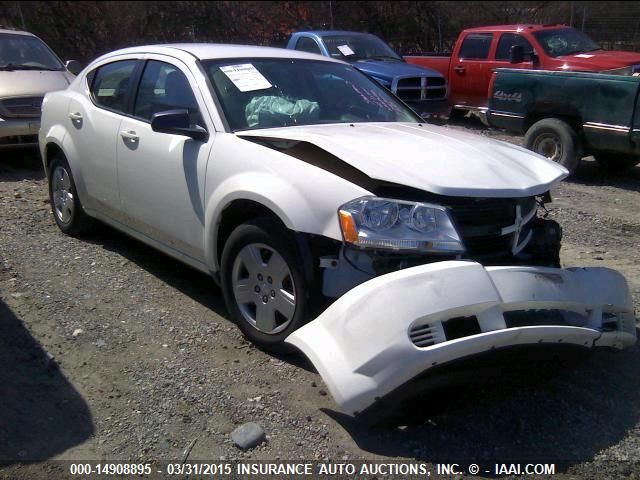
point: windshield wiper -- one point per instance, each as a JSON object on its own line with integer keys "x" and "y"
{"x": 9, "y": 67}
{"x": 382, "y": 57}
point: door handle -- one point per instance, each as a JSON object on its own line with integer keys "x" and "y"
{"x": 459, "y": 69}
{"x": 75, "y": 116}
{"x": 129, "y": 135}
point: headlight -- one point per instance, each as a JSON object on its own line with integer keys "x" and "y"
{"x": 398, "y": 225}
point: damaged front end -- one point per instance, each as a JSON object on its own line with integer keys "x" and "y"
{"x": 392, "y": 328}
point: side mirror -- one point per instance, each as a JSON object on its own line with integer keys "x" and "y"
{"x": 177, "y": 122}
{"x": 73, "y": 66}
{"x": 516, "y": 54}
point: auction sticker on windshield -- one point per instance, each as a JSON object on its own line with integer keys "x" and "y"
{"x": 346, "y": 50}
{"x": 246, "y": 77}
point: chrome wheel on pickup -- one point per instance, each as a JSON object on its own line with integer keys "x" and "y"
{"x": 263, "y": 283}
{"x": 556, "y": 140}
{"x": 548, "y": 145}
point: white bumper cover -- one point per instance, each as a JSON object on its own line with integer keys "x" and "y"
{"x": 388, "y": 330}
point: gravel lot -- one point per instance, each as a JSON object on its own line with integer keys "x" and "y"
{"x": 112, "y": 351}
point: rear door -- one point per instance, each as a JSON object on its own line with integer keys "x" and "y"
{"x": 161, "y": 176}
{"x": 95, "y": 118}
{"x": 471, "y": 70}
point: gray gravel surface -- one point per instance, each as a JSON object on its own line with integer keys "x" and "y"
{"x": 110, "y": 350}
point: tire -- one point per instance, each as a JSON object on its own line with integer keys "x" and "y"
{"x": 615, "y": 163}
{"x": 267, "y": 300}
{"x": 556, "y": 140}
{"x": 65, "y": 203}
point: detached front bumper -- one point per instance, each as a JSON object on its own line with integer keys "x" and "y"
{"x": 390, "y": 329}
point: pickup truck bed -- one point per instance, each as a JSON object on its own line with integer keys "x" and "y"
{"x": 567, "y": 115}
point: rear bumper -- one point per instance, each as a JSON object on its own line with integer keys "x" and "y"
{"x": 394, "y": 327}
{"x": 16, "y": 133}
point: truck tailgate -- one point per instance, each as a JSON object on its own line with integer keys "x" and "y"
{"x": 440, "y": 64}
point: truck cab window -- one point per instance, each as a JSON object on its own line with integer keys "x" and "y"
{"x": 476, "y": 46}
{"x": 306, "y": 44}
{"x": 508, "y": 40}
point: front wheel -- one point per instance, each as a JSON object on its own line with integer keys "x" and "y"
{"x": 555, "y": 139}
{"x": 263, "y": 283}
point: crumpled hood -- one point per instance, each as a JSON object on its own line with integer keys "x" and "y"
{"x": 600, "y": 60}
{"x": 24, "y": 83}
{"x": 434, "y": 159}
{"x": 387, "y": 70}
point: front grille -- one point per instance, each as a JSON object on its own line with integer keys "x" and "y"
{"x": 421, "y": 88}
{"x": 21, "y": 107}
{"x": 480, "y": 222}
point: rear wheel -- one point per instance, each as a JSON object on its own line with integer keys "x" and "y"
{"x": 263, "y": 283}
{"x": 65, "y": 203}
{"x": 615, "y": 163}
{"x": 556, "y": 140}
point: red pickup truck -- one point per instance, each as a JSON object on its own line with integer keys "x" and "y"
{"x": 478, "y": 51}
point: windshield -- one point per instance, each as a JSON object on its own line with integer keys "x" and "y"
{"x": 565, "y": 41}
{"x": 268, "y": 93}
{"x": 358, "y": 47}
{"x": 24, "y": 52}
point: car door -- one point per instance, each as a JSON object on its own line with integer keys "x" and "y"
{"x": 471, "y": 71}
{"x": 161, "y": 175}
{"x": 95, "y": 117}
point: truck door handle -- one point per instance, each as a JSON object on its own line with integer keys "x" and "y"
{"x": 459, "y": 69}
{"x": 129, "y": 135}
{"x": 75, "y": 116}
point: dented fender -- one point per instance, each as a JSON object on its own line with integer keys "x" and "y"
{"x": 390, "y": 329}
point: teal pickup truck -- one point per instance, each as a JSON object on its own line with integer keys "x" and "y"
{"x": 567, "y": 115}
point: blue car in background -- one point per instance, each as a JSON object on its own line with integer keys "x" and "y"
{"x": 423, "y": 89}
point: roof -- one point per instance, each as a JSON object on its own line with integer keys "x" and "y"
{"x": 16, "y": 32}
{"x": 211, "y": 51}
{"x": 515, "y": 28}
{"x": 328, "y": 33}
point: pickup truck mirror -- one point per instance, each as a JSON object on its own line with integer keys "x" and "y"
{"x": 73, "y": 66}
{"x": 177, "y": 122}
{"x": 516, "y": 54}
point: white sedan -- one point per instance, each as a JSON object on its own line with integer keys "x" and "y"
{"x": 306, "y": 188}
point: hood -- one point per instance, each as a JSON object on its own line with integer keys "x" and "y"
{"x": 434, "y": 159}
{"x": 600, "y": 60}
{"x": 388, "y": 69}
{"x": 23, "y": 83}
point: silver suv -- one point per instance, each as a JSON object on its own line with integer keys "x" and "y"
{"x": 28, "y": 70}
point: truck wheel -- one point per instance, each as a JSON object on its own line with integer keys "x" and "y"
{"x": 556, "y": 140}
{"x": 615, "y": 163}
{"x": 65, "y": 203}
{"x": 263, "y": 283}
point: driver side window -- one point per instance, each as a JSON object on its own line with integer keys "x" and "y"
{"x": 508, "y": 40}
{"x": 164, "y": 87}
{"x": 306, "y": 44}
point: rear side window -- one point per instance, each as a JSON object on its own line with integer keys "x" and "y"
{"x": 476, "y": 46}
{"x": 164, "y": 87}
{"x": 111, "y": 84}
{"x": 306, "y": 44}
{"x": 507, "y": 41}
